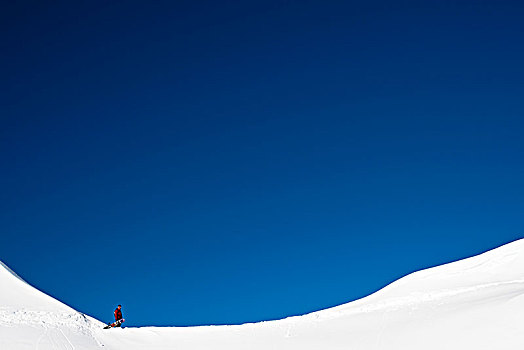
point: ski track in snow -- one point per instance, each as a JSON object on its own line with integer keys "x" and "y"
{"x": 72, "y": 346}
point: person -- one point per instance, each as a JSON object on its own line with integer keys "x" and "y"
{"x": 118, "y": 315}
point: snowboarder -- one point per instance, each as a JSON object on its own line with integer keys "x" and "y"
{"x": 118, "y": 315}
{"x": 118, "y": 318}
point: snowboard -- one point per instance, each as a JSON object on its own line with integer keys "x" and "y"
{"x": 115, "y": 324}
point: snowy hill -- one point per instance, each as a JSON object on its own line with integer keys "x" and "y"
{"x": 30, "y": 319}
{"x": 476, "y": 303}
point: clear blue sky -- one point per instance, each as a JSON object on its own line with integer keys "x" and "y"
{"x": 224, "y": 162}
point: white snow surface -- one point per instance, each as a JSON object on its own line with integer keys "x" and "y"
{"x": 476, "y": 303}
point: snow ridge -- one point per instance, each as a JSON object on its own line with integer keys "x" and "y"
{"x": 12, "y": 272}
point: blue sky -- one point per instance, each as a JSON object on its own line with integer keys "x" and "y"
{"x": 224, "y": 162}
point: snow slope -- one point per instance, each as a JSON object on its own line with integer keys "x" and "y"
{"x": 476, "y": 303}
{"x": 30, "y": 319}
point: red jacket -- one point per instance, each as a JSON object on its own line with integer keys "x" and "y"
{"x": 118, "y": 314}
